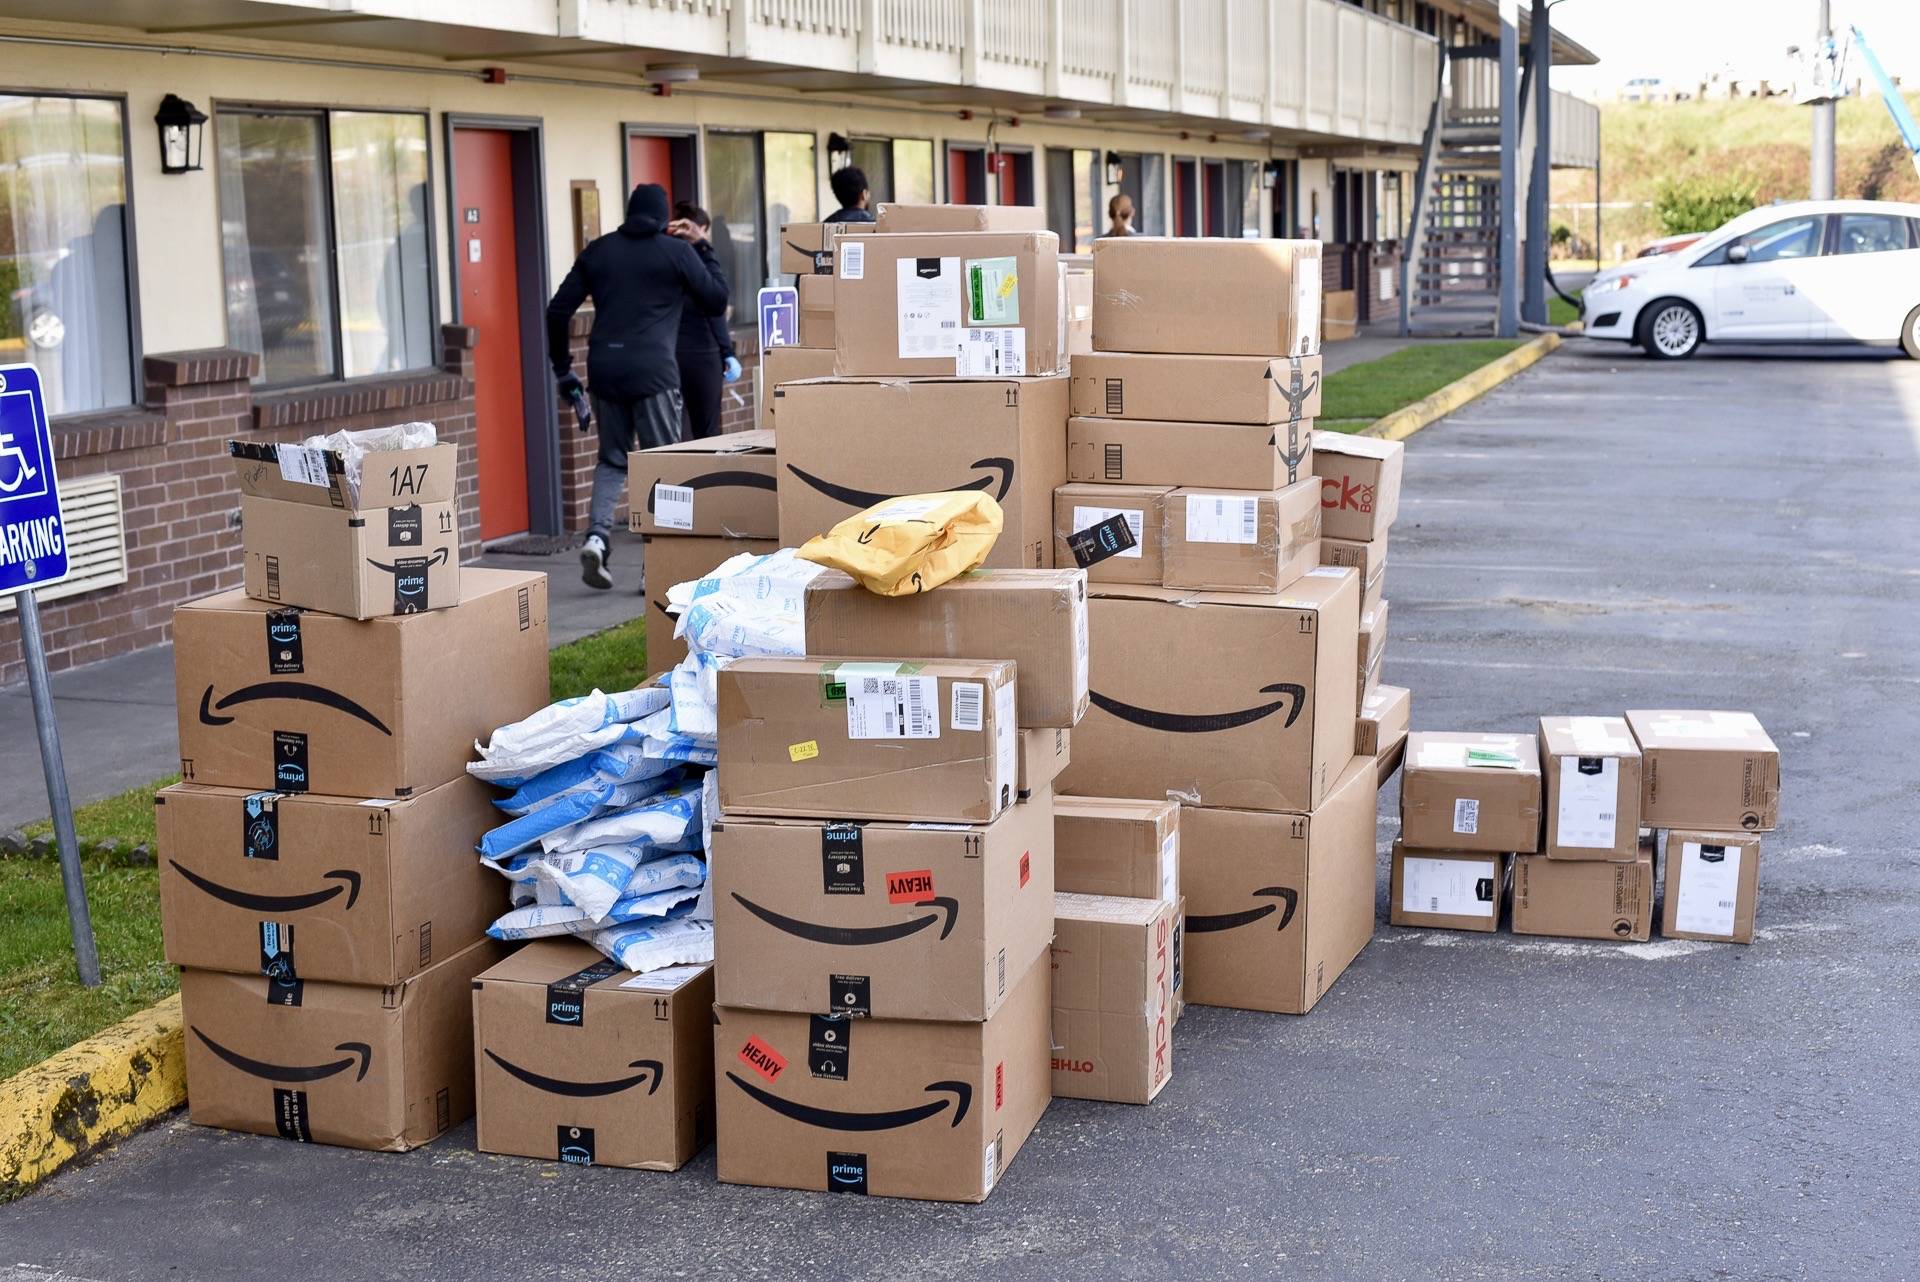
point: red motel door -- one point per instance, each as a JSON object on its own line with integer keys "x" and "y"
{"x": 483, "y": 245}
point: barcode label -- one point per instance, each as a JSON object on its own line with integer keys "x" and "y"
{"x": 302, "y": 465}
{"x": 853, "y": 260}
{"x": 969, "y": 705}
{"x": 893, "y": 708}
{"x": 1466, "y": 815}
{"x": 987, "y": 353}
{"x": 1222, "y": 518}
{"x": 673, "y": 506}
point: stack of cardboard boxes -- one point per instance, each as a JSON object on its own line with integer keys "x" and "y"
{"x": 1359, "y": 499}
{"x": 317, "y": 877}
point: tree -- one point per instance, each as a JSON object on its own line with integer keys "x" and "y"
{"x": 1701, "y": 204}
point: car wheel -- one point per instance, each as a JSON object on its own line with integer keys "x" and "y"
{"x": 1910, "y": 334}
{"x": 1670, "y": 329}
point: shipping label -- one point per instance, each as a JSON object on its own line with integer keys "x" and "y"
{"x": 673, "y": 506}
{"x": 991, "y": 353}
{"x": 1709, "y": 888}
{"x": 927, "y": 311}
{"x": 1466, "y": 815}
{"x": 1222, "y": 518}
{"x": 969, "y": 706}
{"x": 993, "y": 291}
{"x": 1589, "y": 801}
{"x": 1447, "y": 887}
{"x": 893, "y": 707}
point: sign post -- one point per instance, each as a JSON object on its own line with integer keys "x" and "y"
{"x": 33, "y": 554}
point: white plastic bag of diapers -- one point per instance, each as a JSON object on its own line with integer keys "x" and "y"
{"x": 561, "y": 732}
{"x": 651, "y": 945}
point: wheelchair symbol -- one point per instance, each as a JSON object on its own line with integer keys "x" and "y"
{"x": 13, "y": 460}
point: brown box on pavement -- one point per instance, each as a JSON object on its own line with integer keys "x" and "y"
{"x": 356, "y": 1065}
{"x": 1717, "y": 771}
{"x": 892, "y": 216}
{"x": 1446, "y": 889}
{"x": 816, "y": 311}
{"x": 782, "y": 365}
{"x": 1232, "y": 297}
{"x": 306, "y": 702}
{"x": 1197, "y": 389}
{"x": 807, "y": 248}
{"x": 716, "y": 486}
{"x": 1116, "y": 846}
{"x": 1359, "y": 484}
{"x": 1121, "y": 451}
{"x": 313, "y": 887}
{"x": 1241, "y": 540}
{"x": 578, "y": 1060}
{"x": 1381, "y": 731}
{"x": 677, "y": 559}
{"x": 1591, "y": 767}
{"x": 1713, "y": 885}
{"x": 1584, "y": 898}
{"x": 1079, "y": 508}
{"x": 1471, "y": 792}
{"x": 1112, "y": 997}
{"x": 960, "y": 303}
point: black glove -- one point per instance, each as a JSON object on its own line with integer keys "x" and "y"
{"x": 575, "y": 393}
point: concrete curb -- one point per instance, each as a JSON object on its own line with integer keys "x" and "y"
{"x": 1404, "y": 422}
{"x": 89, "y": 1095}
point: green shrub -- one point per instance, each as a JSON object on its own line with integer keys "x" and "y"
{"x": 1701, "y": 204}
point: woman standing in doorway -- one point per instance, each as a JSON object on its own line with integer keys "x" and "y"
{"x": 707, "y": 360}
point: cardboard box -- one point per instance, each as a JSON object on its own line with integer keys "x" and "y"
{"x": 1381, "y": 731}
{"x": 782, "y": 365}
{"x": 355, "y": 1065}
{"x": 1359, "y": 484}
{"x": 720, "y": 486}
{"x": 1713, "y": 885}
{"x": 1220, "y": 699}
{"x": 1229, "y": 297}
{"x": 1043, "y": 755}
{"x": 929, "y": 740}
{"x": 309, "y": 540}
{"x": 1374, "y": 594}
{"x": 1116, "y": 846}
{"x": 1710, "y": 771}
{"x": 1446, "y": 889}
{"x": 299, "y": 702}
{"x": 848, "y": 444}
{"x": 1119, "y": 451}
{"x": 1278, "y": 904}
{"x": 1241, "y": 540}
{"x": 577, "y": 1060}
{"x": 1186, "y": 388}
{"x": 310, "y": 887}
{"x": 882, "y": 1107}
{"x": 1112, "y": 997}
{"x": 1036, "y": 618}
{"x": 1107, "y": 556}
{"x": 1471, "y": 792}
{"x": 896, "y": 921}
{"x": 1591, "y": 767}
{"x": 891, "y": 216}
{"x": 1079, "y": 290}
{"x": 963, "y": 303}
{"x": 1369, "y": 557}
{"x": 1584, "y": 898}
{"x": 1372, "y": 644}
{"x": 674, "y": 560}
{"x": 807, "y": 248}
{"x": 816, "y": 311}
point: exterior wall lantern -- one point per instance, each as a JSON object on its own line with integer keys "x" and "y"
{"x": 183, "y": 128}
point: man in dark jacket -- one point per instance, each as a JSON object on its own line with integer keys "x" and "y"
{"x": 707, "y": 358}
{"x": 640, "y": 277}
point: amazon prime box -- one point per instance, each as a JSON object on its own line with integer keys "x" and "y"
{"x": 891, "y": 920}
{"x": 1712, "y": 885}
{"x": 577, "y": 1060}
{"x": 314, "y": 537}
{"x": 1241, "y": 540}
{"x": 1113, "y": 532}
{"x": 356, "y": 1065}
{"x": 721, "y": 486}
{"x": 881, "y": 1107}
{"x": 849, "y": 443}
{"x": 1717, "y": 771}
{"x": 1230, "y": 456}
{"x": 302, "y": 886}
{"x": 1585, "y": 898}
{"x": 677, "y": 560}
{"x": 1116, "y": 846}
{"x": 1446, "y": 889}
{"x": 292, "y": 701}
{"x": 1186, "y": 388}
{"x": 1112, "y": 961}
{"x": 1471, "y": 792}
{"x": 1591, "y": 766}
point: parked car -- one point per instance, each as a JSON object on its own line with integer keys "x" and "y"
{"x": 1806, "y": 271}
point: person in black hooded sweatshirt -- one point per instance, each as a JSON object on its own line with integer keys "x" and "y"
{"x": 707, "y": 358}
{"x": 640, "y": 278}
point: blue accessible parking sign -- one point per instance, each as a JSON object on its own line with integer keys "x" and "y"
{"x": 33, "y": 539}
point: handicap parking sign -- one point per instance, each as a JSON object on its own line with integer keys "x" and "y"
{"x": 33, "y": 537}
{"x": 779, "y": 316}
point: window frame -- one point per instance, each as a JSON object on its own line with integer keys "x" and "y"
{"x": 766, "y": 233}
{"x": 933, "y": 165}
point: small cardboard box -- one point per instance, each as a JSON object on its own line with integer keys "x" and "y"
{"x": 848, "y": 444}
{"x": 1185, "y": 388}
{"x": 1585, "y": 898}
{"x": 1713, "y": 885}
{"x": 1227, "y": 297}
{"x": 816, "y": 311}
{"x": 1372, "y": 644}
{"x": 677, "y": 559}
{"x": 1368, "y": 556}
{"x": 1043, "y": 755}
{"x": 1079, "y": 289}
{"x": 1104, "y": 555}
{"x": 932, "y": 740}
{"x": 1112, "y": 997}
{"x": 1241, "y": 540}
{"x": 892, "y": 920}
{"x": 310, "y": 887}
{"x": 1116, "y": 846}
{"x": 806, "y": 249}
{"x": 305, "y": 702}
{"x": 1471, "y": 792}
{"x": 1036, "y": 618}
{"x": 972, "y": 304}
{"x": 1225, "y": 699}
{"x": 720, "y": 486}
{"x": 782, "y": 365}
{"x": 881, "y": 1107}
{"x": 1278, "y": 904}
{"x": 311, "y": 540}
{"x": 1359, "y": 484}
{"x": 892, "y": 216}
{"x": 1121, "y": 451}
{"x": 1446, "y": 889}
{"x": 361, "y": 1066}
{"x": 1591, "y": 766}
{"x": 1709, "y": 771}
{"x": 576, "y": 1060}
{"x": 1381, "y": 730}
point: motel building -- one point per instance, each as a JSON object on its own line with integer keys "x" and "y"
{"x": 266, "y": 219}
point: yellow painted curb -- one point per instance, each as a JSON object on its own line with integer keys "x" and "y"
{"x": 1407, "y": 420}
{"x": 87, "y": 1096}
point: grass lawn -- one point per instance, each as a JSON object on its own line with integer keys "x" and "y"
{"x": 43, "y": 1008}
{"x": 1356, "y": 396}
{"x": 1560, "y": 311}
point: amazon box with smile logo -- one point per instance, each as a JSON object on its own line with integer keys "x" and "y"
{"x": 881, "y": 1107}
{"x": 892, "y": 920}
{"x": 292, "y": 701}
{"x": 721, "y": 486}
{"x": 849, "y": 443}
{"x": 301, "y": 886}
{"x": 356, "y": 1065}
{"x": 1278, "y": 904}
{"x": 312, "y": 539}
{"x": 577, "y": 1060}
{"x": 1220, "y": 698}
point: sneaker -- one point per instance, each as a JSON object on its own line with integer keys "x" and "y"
{"x": 593, "y": 563}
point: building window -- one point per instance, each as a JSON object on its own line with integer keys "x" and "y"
{"x": 323, "y": 234}
{"x": 755, "y": 184}
{"x": 1387, "y": 208}
{"x": 64, "y": 280}
{"x": 912, "y": 176}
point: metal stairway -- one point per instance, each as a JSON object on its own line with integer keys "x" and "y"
{"x": 1454, "y": 275}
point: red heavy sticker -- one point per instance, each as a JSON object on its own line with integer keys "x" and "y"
{"x": 910, "y": 887}
{"x": 1026, "y": 866}
{"x": 763, "y": 1059}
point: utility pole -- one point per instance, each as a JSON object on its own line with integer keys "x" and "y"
{"x": 1820, "y": 184}
{"x": 1533, "y": 298}
{"x": 1508, "y": 260}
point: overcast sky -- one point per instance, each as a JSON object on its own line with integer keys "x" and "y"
{"x": 1684, "y": 39}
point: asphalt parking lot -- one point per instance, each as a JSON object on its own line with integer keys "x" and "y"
{"x": 1736, "y": 531}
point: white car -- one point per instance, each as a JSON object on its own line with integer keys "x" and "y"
{"x": 1805, "y": 271}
